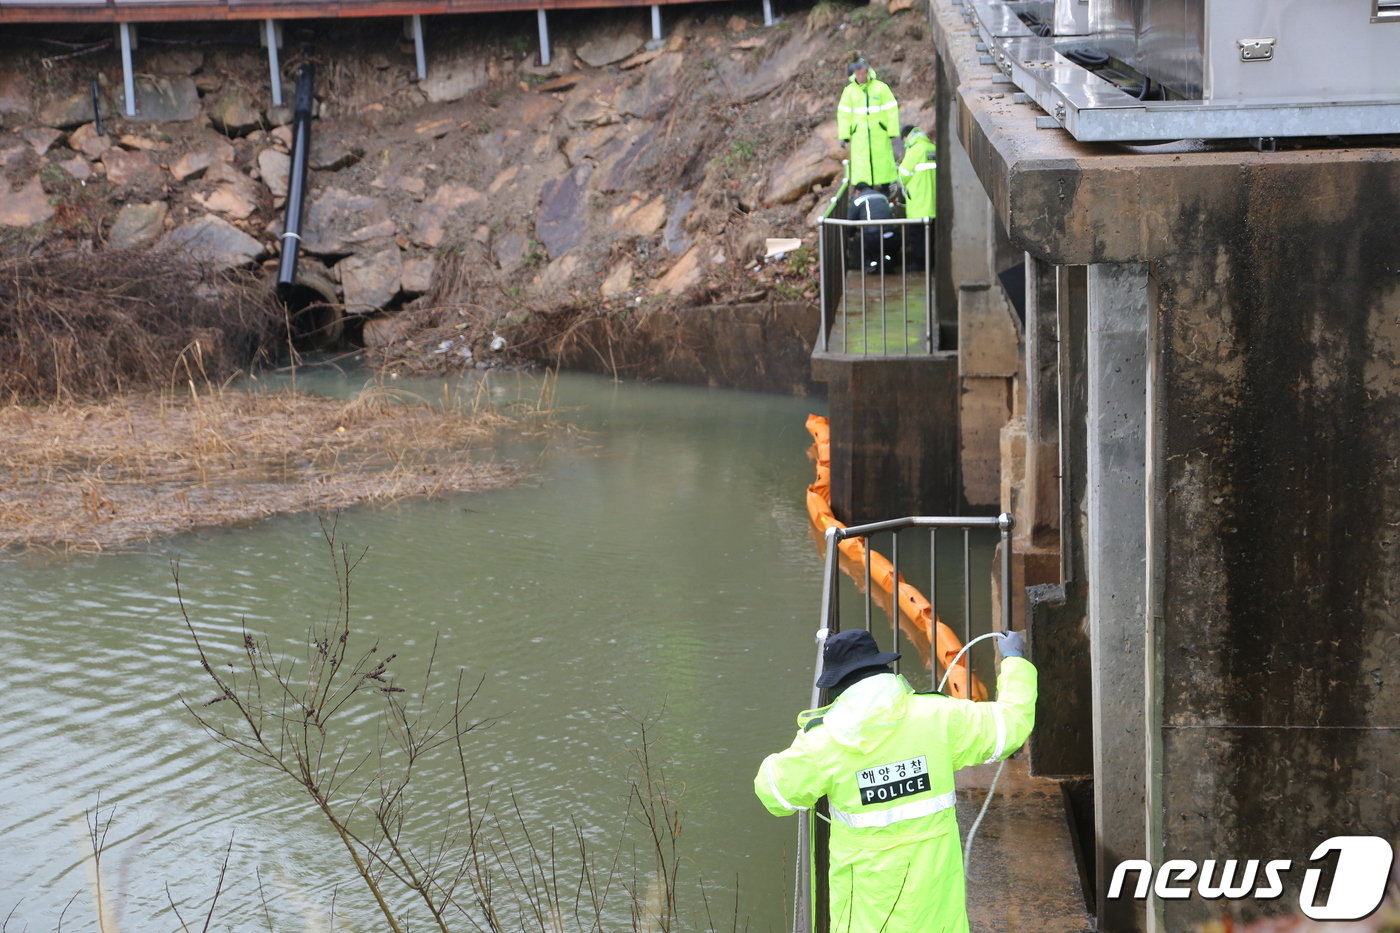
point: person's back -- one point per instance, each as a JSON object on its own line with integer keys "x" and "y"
{"x": 918, "y": 172}
{"x": 884, "y": 757}
{"x": 869, "y": 203}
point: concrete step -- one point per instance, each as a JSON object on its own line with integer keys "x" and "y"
{"x": 1022, "y": 876}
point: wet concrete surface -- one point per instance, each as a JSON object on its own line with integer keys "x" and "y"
{"x": 1022, "y": 874}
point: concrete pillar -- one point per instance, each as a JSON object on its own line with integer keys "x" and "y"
{"x": 989, "y": 357}
{"x": 1117, "y": 572}
{"x": 1062, "y": 743}
{"x": 1038, "y": 522}
{"x": 969, "y": 231}
{"x": 945, "y": 136}
{"x": 1071, "y": 361}
{"x": 978, "y": 322}
{"x": 1275, "y": 545}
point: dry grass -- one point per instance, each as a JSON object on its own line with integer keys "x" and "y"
{"x": 82, "y": 326}
{"x": 137, "y": 468}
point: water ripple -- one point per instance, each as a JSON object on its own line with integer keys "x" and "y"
{"x": 666, "y": 567}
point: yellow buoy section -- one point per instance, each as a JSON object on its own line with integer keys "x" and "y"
{"x": 932, "y": 638}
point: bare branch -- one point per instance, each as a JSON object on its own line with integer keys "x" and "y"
{"x": 304, "y": 718}
{"x": 5, "y": 925}
{"x": 97, "y": 836}
{"x": 176, "y": 910}
{"x": 218, "y": 886}
{"x": 262, "y": 897}
{"x": 63, "y": 912}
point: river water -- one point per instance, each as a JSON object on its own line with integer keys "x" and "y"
{"x": 657, "y": 566}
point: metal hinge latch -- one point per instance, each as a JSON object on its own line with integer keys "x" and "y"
{"x": 1256, "y": 50}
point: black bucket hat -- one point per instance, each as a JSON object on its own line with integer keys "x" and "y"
{"x": 850, "y": 651}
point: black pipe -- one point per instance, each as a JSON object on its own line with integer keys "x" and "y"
{"x": 296, "y": 185}
{"x": 97, "y": 108}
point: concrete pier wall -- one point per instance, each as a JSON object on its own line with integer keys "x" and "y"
{"x": 894, "y": 435}
{"x": 1117, "y": 565}
{"x": 1275, "y": 545}
{"x": 1223, "y": 344}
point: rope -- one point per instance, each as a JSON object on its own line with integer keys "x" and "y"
{"x": 977, "y": 823}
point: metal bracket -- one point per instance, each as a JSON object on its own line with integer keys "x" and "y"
{"x": 1256, "y": 50}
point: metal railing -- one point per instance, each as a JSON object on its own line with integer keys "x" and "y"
{"x": 831, "y": 276}
{"x": 875, "y": 300}
{"x": 809, "y": 902}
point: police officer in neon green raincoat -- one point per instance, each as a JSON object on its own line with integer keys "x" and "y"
{"x": 918, "y": 172}
{"x": 884, "y": 756}
{"x": 868, "y": 117}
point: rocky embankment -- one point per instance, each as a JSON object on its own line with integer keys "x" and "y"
{"x": 486, "y": 208}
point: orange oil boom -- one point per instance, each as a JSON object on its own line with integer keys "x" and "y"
{"x": 931, "y": 637}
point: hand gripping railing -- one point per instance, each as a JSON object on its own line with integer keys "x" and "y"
{"x": 809, "y": 902}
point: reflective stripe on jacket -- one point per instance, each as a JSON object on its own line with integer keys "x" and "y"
{"x": 884, "y": 757}
{"x": 918, "y": 172}
{"x": 868, "y": 115}
{"x": 870, "y": 205}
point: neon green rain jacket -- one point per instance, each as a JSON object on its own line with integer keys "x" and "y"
{"x": 868, "y": 115}
{"x": 884, "y": 757}
{"x": 918, "y": 172}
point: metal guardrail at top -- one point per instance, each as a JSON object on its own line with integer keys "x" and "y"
{"x": 127, "y": 15}
{"x": 809, "y": 901}
{"x": 56, "y": 11}
{"x": 875, "y": 301}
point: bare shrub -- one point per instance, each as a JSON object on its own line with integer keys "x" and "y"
{"x": 81, "y": 326}
{"x": 472, "y": 868}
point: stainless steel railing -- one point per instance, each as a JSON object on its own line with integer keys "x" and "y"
{"x": 880, "y": 304}
{"x": 810, "y": 895}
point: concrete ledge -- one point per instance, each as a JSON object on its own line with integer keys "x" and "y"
{"x": 1022, "y": 873}
{"x": 1077, "y": 203}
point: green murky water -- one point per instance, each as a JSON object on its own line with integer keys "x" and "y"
{"x": 658, "y": 565}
